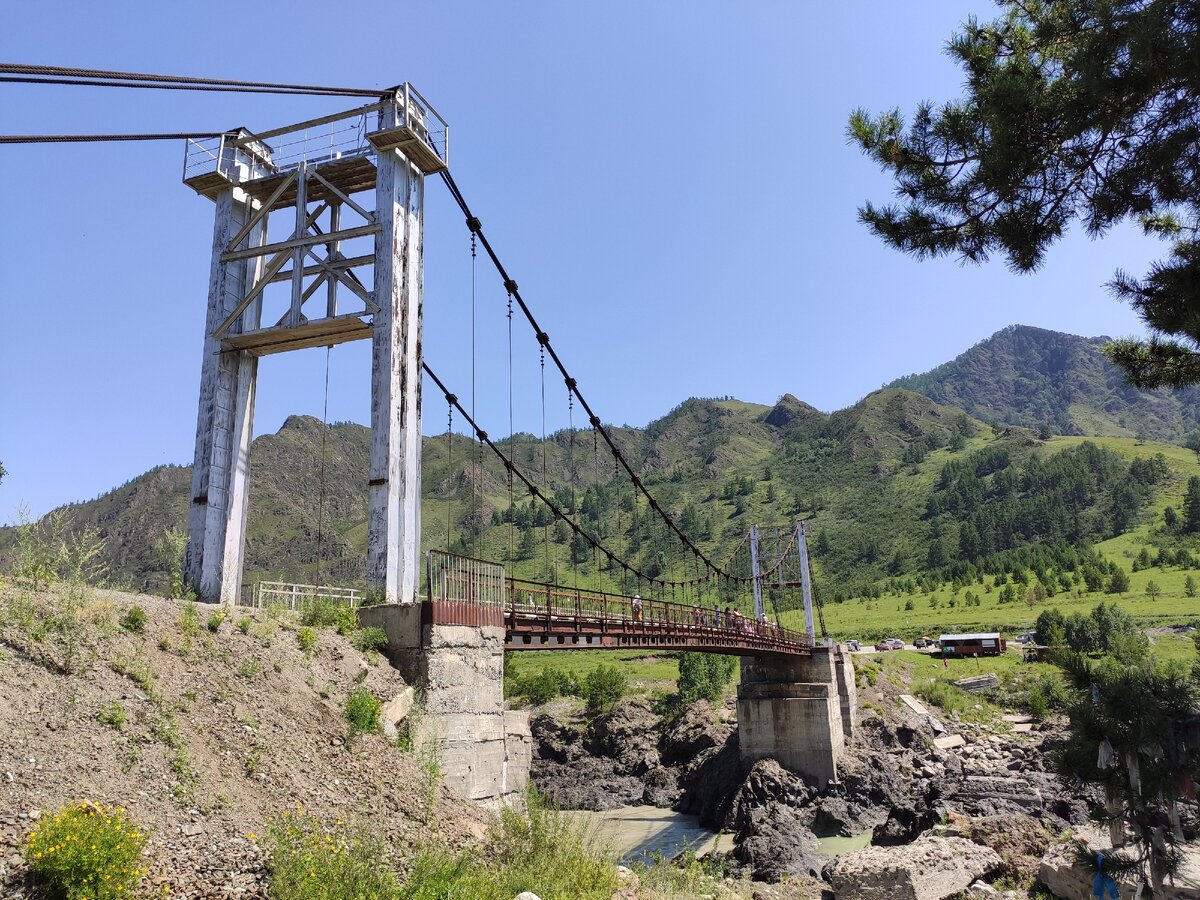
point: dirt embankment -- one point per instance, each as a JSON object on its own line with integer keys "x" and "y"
{"x": 203, "y": 735}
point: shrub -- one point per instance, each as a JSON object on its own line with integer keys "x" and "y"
{"x": 170, "y": 549}
{"x": 112, "y": 715}
{"x": 309, "y": 860}
{"x": 362, "y": 711}
{"x": 703, "y": 676}
{"x": 189, "y": 618}
{"x": 372, "y": 638}
{"x": 249, "y": 667}
{"x": 307, "y": 638}
{"x": 544, "y": 686}
{"x": 215, "y": 620}
{"x": 603, "y": 687}
{"x": 1036, "y": 703}
{"x": 243, "y": 624}
{"x": 320, "y": 612}
{"x": 134, "y": 619}
{"x": 86, "y": 851}
{"x": 346, "y": 620}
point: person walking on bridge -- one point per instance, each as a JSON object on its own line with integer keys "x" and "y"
{"x": 636, "y": 605}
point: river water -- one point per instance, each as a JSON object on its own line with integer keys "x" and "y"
{"x": 639, "y": 833}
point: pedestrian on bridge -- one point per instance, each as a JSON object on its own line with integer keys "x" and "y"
{"x": 717, "y": 616}
{"x": 636, "y": 605}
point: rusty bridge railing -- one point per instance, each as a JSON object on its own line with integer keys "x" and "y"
{"x": 538, "y": 606}
{"x": 463, "y": 590}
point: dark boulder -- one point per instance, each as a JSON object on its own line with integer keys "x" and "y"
{"x": 710, "y": 782}
{"x": 555, "y": 741}
{"x": 695, "y": 731}
{"x": 660, "y": 787}
{"x": 770, "y": 785}
{"x": 773, "y": 842}
{"x": 627, "y": 736}
{"x": 903, "y": 826}
{"x": 587, "y": 783}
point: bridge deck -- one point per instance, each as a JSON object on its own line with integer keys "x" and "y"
{"x": 534, "y": 631}
{"x": 548, "y": 617}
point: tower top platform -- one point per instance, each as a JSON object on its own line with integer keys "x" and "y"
{"x": 341, "y": 147}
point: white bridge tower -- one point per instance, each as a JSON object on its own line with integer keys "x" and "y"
{"x": 318, "y": 240}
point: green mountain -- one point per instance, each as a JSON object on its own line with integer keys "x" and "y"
{"x": 909, "y": 482}
{"x": 896, "y": 485}
{"x": 1058, "y": 382}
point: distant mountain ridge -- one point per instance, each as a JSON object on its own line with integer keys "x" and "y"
{"x": 862, "y": 476}
{"x": 1038, "y": 378}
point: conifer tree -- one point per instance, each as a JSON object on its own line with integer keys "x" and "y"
{"x": 1126, "y": 736}
{"x": 527, "y": 547}
{"x": 1118, "y": 583}
{"x": 1191, "y": 506}
{"x": 1074, "y": 109}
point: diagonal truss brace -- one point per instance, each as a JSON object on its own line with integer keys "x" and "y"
{"x": 296, "y": 248}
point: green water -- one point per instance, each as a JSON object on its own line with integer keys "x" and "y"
{"x": 836, "y": 846}
{"x": 638, "y": 832}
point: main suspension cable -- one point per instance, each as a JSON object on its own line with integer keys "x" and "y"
{"x": 514, "y": 471}
{"x": 572, "y": 385}
{"x": 107, "y": 77}
{"x": 104, "y": 138}
{"x": 153, "y": 86}
{"x": 476, "y": 481}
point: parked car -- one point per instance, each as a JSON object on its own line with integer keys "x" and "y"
{"x": 921, "y": 643}
{"x": 890, "y": 644}
{"x": 853, "y": 645}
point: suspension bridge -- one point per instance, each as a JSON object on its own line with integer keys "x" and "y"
{"x": 542, "y": 616}
{"x": 318, "y": 240}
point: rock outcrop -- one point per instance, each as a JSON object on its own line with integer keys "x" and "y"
{"x": 929, "y": 868}
{"x": 896, "y": 782}
{"x": 611, "y": 762}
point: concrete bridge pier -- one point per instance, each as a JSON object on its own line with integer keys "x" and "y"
{"x": 797, "y": 710}
{"x": 483, "y": 750}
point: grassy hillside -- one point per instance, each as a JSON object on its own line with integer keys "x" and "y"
{"x": 943, "y": 608}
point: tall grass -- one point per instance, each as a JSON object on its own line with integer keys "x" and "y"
{"x": 539, "y": 850}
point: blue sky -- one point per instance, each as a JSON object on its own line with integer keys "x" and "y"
{"x": 669, "y": 183}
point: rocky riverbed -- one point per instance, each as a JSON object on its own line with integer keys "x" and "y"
{"x": 904, "y": 772}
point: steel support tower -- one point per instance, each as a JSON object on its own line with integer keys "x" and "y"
{"x": 318, "y": 240}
